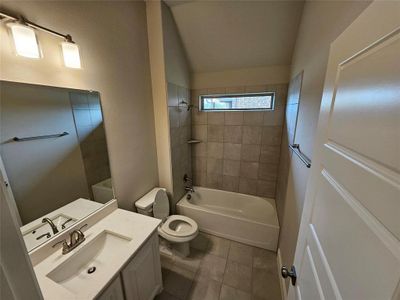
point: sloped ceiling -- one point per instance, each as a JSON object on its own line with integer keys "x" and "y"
{"x": 226, "y": 35}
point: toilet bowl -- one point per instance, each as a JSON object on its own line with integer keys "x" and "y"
{"x": 178, "y": 230}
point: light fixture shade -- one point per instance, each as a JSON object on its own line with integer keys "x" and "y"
{"x": 71, "y": 55}
{"x": 25, "y": 40}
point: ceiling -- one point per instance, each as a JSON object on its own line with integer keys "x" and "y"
{"x": 226, "y": 35}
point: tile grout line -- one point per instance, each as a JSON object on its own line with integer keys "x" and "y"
{"x": 226, "y": 265}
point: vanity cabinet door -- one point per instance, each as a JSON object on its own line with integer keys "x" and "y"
{"x": 113, "y": 292}
{"x": 142, "y": 276}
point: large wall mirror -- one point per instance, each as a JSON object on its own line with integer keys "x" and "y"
{"x": 54, "y": 152}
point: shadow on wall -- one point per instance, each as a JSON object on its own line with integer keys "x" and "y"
{"x": 239, "y": 151}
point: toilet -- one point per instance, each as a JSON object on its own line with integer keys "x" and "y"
{"x": 178, "y": 230}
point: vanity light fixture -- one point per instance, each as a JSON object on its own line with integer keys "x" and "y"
{"x": 71, "y": 55}
{"x": 25, "y": 40}
{"x": 26, "y": 43}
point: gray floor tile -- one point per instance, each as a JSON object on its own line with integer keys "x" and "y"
{"x": 204, "y": 288}
{"x": 178, "y": 282}
{"x": 165, "y": 296}
{"x": 213, "y": 267}
{"x": 230, "y": 293}
{"x": 218, "y": 246}
{"x": 266, "y": 285}
{"x": 191, "y": 262}
{"x": 264, "y": 259}
{"x": 238, "y": 276}
{"x": 241, "y": 253}
{"x": 200, "y": 242}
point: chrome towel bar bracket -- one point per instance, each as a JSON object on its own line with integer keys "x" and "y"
{"x": 301, "y": 155}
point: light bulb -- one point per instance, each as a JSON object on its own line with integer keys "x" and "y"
{"x": 71, "y": 55}
{"x": 25, "y": 40}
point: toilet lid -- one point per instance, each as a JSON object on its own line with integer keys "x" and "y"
{"x": 161, "y": 205}
{"x": 184, "y": 226}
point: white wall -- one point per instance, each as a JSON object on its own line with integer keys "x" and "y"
{"x": 113, "y": 40}
{"x": 240, "y": 77}
{"x": 159, "y": 87}
{"x": 176, "y": 64}
{"x": 321, "y": 23}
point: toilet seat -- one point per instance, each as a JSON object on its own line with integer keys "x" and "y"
{"x": 178, "y": 228}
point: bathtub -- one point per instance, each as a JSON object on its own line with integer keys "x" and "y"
{"x": 103, "y": 191}
{"x": 243, "y": 218}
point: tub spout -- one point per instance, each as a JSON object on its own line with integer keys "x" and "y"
{"x": 189, "y": 189}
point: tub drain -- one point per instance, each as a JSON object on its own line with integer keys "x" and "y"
{"x": 91, "y": 270}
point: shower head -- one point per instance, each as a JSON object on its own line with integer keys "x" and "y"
{"x": 188, "y": 106}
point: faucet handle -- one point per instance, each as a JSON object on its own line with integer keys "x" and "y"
{"x": 64, "y": 243}
{"x": 186, "y": 178}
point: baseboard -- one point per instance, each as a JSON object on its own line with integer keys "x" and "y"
{"x": 281, "y": 279}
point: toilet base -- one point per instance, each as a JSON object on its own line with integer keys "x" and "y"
{"x": 183, "y": 249}
{"x": 170, "y": 248}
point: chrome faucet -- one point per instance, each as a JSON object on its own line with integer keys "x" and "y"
{"x": 189, "y": 183}
{"x": 189, "y": 189}
{"x": 76, "y": 237}
{"x": 50, "y": 222}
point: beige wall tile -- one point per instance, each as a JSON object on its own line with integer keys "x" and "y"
{"x": 215, "y": 133}
{"x": 233, "y": 134}
{"x": 199, "y": 149}
{"x": 184, "y": 117}
{"x": 234, "y": 118}
{"x": 256, "y": 88}
{"x": 214, "y": 166}
{"x": 231, "y": 167}
{"x": 271, "y": 135}
{"x": 199, "y": 164}
{"x": 199, "y": 178}
{"x": 199, "y": 132}
{"x": 230, "y": 183}
{"x": 253, "y": 117}
{"x": 266, "y": 188}
{"x": 173, "y": 112}
{"x": 248, "y": 186}
{"x": 214, "y": 91}
{"x": 251, "y": 153}
{"x": 172, "y": 94}
{"x": 195, "y": 94}
{"x": 235, "y": 90}
{"x": 214, "y": 181}
{"x": 232, "y": 151}
{"x": 215, "y": 150}
{"x": 270, "y": 154}
{"x": 216, "y": 118}
{"x": 198, "y": 117}
{"x": 252, "y": 135}
{"x": 268, "y": 171}
{"x": 249, "y": 170}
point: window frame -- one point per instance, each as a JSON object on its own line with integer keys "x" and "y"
{"x": 227, "y": 95}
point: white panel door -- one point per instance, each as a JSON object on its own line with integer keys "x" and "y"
{"x": 349, "y": 240}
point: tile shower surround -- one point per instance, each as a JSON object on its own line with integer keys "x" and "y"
{"x": 239, "y": 151}
{"x": 180, "y": 132}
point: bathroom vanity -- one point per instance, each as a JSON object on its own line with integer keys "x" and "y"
{"x": 119, "y": 259}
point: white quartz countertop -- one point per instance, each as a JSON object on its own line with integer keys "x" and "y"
{"x": 138, "y": 228}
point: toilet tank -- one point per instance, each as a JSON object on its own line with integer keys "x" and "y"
{"x": 144, "y": 205}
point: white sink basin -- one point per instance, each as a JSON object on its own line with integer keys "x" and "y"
{"x": 98, "y": 254}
